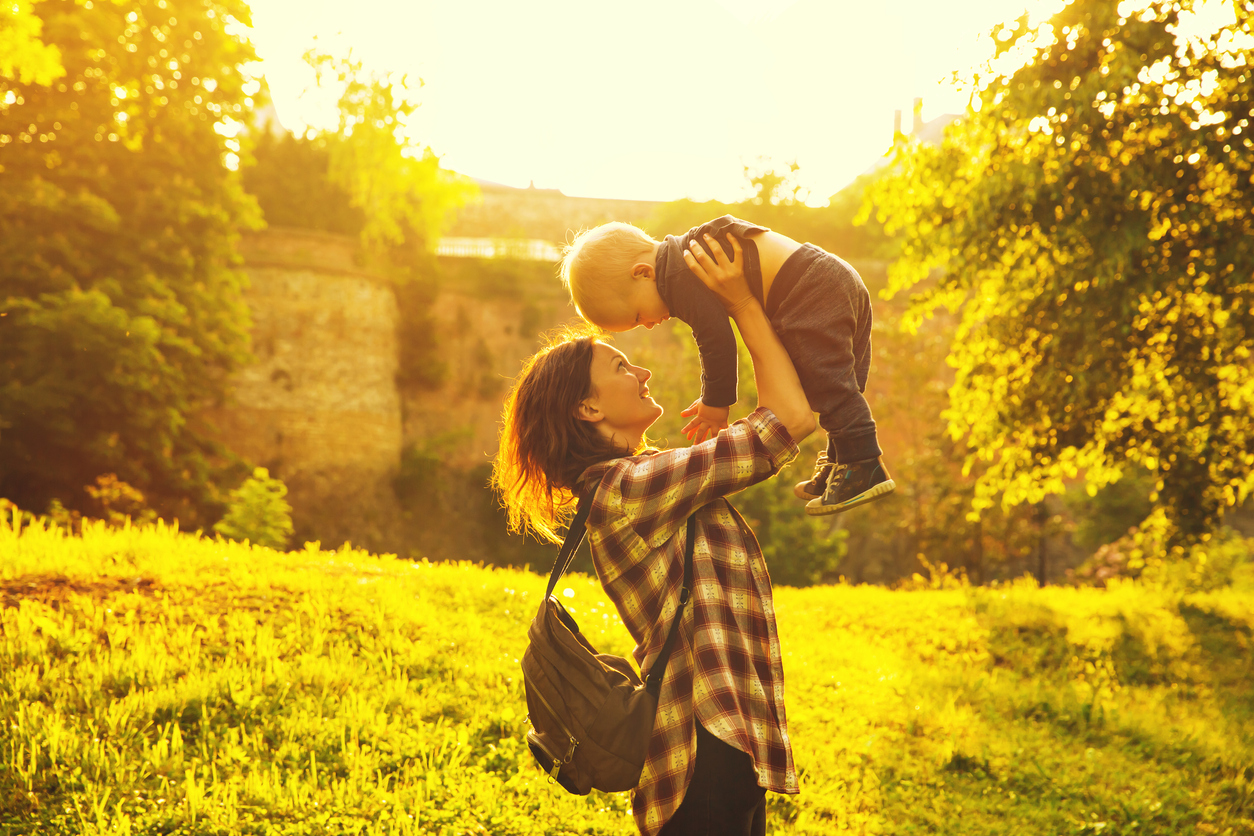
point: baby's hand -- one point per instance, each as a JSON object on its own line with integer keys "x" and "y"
{"x": 706, "y": 421}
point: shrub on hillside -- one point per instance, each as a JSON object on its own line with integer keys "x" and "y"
{"x": 1222, "y": 560}
{"x": 117, "y": 502}
{"x": 113, "y": 501}
{"x": 258, "y": 512}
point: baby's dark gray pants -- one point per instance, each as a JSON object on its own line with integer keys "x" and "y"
{"x": 821, "y": 311}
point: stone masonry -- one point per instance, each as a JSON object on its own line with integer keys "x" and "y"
{"x": 320, "y": 407}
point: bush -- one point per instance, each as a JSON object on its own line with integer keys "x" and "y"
{"x": 113, "y": 501}
{"x": 1220, "y": 560}
{"x": 117, "y": 502}
{"x": 1215, "y": 563}
{"x": 258, "y": 512}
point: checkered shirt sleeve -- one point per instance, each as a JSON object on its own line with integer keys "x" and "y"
{"x": 726, "y": 670}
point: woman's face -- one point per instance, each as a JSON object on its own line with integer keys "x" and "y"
{"x": 620, "y": 405}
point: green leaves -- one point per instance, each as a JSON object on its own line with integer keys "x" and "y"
{"x": 1092, "y": 216}
{"x": 118, "y": 215}
{"x": 397, "y": 184}
{"x": 258, "y": 512}
{"x": 23, "y": 56}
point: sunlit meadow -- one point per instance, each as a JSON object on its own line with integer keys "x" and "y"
{"x": 159, "y": 682}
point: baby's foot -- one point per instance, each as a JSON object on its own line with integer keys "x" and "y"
{"x": 817, "y": 483}
{"x": 851, "y": 485}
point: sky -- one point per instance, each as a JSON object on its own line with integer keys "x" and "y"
{"x": 652, "y": 100}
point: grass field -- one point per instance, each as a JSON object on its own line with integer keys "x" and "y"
{"x": 155, "y": 682}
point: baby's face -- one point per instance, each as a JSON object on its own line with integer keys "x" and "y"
{"x": 644, "y": 306}
{"x": 647, "y": 305}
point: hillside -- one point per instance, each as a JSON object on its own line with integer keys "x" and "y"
{"x": 158, "y": 682}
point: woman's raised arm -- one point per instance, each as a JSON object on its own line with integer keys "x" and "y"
{"x": 779, "y": 389}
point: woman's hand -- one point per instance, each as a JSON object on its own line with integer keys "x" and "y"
{"x": 723, "y": 276}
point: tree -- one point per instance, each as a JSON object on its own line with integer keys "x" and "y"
{"x": 257, "y": 511}
{"x": 120, "y": 308}
{"x": 1092, "y": 216}
{"x": 289, "y": 176}
{"x": 23, "y": 56}
{"x": 398, "y": 184}
{"x": 367, "y": 176}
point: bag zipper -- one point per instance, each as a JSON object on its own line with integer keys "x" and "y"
{"x": 556, "y": 767}
{"x": 570, "y": 753}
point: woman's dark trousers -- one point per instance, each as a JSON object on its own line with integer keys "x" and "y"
{"x": 724, "y": 798}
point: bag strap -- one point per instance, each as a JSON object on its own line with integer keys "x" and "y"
{"x": 574, "y": 538}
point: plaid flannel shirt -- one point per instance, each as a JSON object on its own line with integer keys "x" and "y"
{"x": 726, "y": 670}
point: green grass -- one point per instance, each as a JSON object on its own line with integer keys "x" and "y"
{"x": 155, "y": 682}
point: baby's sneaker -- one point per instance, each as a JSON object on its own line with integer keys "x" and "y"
{"x": 851, "y": 485}
{"x": 814, "y": 488}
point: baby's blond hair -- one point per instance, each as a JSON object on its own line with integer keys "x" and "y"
{"x": 596, "y": 268}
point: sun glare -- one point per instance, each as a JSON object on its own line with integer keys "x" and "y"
{"x": 660, "y": 101}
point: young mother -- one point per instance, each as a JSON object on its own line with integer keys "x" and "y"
{"x": 577, "y": 418}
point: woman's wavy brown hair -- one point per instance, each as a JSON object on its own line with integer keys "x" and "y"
{"x": 544, "y": 445}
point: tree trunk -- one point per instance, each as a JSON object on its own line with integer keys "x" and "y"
{"x": 1042, "y": 514}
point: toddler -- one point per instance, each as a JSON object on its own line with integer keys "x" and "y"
{"x": 620, "y": 278}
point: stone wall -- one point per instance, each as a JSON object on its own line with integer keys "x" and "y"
{"x": 485, "y": 334}
{"x": 320, "y": 407}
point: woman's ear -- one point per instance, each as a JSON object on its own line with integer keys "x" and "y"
{"x": 588, "y": 412}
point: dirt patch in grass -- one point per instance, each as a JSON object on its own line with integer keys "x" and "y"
{"x": 55, "y": 590}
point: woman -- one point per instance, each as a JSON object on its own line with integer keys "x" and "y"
{"x": 575, "y": 422}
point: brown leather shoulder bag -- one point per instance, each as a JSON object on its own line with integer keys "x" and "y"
{"x": 591, "y": 715}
